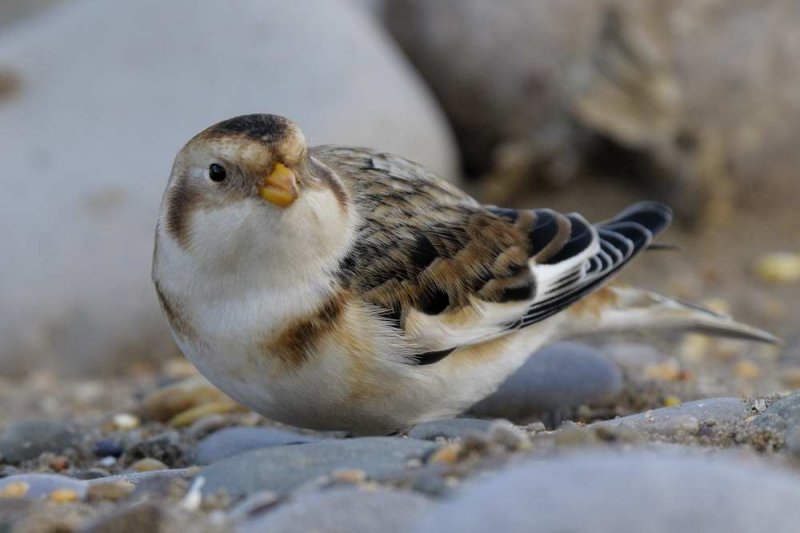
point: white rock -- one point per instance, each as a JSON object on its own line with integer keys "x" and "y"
{"x": 105, "y": 92}
{"x": 14, "y": 11}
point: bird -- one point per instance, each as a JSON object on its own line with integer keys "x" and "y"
{"x": 342, "y": 288}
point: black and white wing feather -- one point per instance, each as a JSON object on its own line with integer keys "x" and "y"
{"x": 449, "y": 272}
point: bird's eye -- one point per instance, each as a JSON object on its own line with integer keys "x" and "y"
{"x": 216, "y": 172}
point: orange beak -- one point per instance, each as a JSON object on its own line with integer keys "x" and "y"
{"x": 280, "y": 187}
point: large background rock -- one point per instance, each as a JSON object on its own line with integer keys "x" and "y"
{"x": 696, "y": 98}
{"x": 98, "y": 97}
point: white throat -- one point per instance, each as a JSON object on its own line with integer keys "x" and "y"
{"x": 243, "y": 249}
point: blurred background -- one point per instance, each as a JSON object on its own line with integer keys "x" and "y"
{"x": 570, "y": 104}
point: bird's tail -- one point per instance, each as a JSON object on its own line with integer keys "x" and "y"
{"x": 619, "y": 308}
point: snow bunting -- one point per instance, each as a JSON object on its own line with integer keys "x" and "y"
{"x": 344, "y": 288}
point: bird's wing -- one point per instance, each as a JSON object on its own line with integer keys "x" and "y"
{"x": 450, "y": 272}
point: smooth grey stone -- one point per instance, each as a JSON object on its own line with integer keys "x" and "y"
{"x": 780, "y": 418}
{"x": 233, "y": 441}
{"x": 280, "y": 469}
{"x": 690, "y": 417}
{"x": 41, "y": 485}
{"x": 628, "y": 492}
{"x": 27, "y": 439}
{"x": 344, "y": 511}
{"x": 564, "y": 375}
{"x": 454, "y": 428}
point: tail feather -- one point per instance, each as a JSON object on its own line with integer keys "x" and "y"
{"x": 619, "y": 308}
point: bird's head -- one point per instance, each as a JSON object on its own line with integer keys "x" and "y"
{"x": 248, "y": 186}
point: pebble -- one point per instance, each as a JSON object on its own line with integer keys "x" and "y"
{"x": 64, "y": 496}
{"x": 779, "y": 267}
{"x": 164, "y": 447}
{"x": 345, "y": 510}
{"x": 232, "y": 441}
{"x": 28, "y": 439}
{"x": 125, "y": 421}
{"x": 36, "y": 486}
{"x": 168, "y": 402}
{"x": 107, "y": 448}
{"x": 687, "y": 418}
{"x": 110, "y": 490}
{"x": 190, "y": 416}
{"x": 206, "y": 425}
{"x": 655, "y": 491}
{"x": 507, "y": 434}
{"x": 148, "y": 464}
{"x": 563, "y": 375}
{"x": 454, "y": 428}
{"x": 282, "y": 468}
{"x": 747, "y": 370}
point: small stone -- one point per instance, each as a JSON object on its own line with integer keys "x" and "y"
{"x": 64, "y": 496}
{"x": 125, "y": 421}
{"x": 165, "y": 447}
{"x": 454, "y": 428}
{"x": 148, "y": 464}
{"x": 669, "y": 370}
{"x": 748, "y": 370}
{"x": 349, "y": 476}
{"x": 107, "y": 448}
{"x": 779, "y": 268}
{"x": 564, "y": 375}
{"x": 760, "y": 405}
{"x": 168, "y": 402}
{"x": 448, "y": 454}
{"x": 16, "y": 489}
{"x": 507, "y": 434}
{"x": 59, "y": 463}
{"x": 231, "y": 441}
{"x": 28, "y": 439}
{"x": 672, "y": 401}
{"x": 695, "y": 347}
{"x": 179, "y": 368}
{"x": 190, "y": 416}
{"x": 110, "y": 491}
{"x": 208, "y": 424}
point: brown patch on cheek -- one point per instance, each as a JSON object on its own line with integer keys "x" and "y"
{"x": 181, "y": 203}
{"x": 297, "y": 341}
{"x": 592, "y": 306}
{"x": 176, "y": 314}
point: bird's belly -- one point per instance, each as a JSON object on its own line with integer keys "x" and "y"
{"x": 344, "y": 390}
